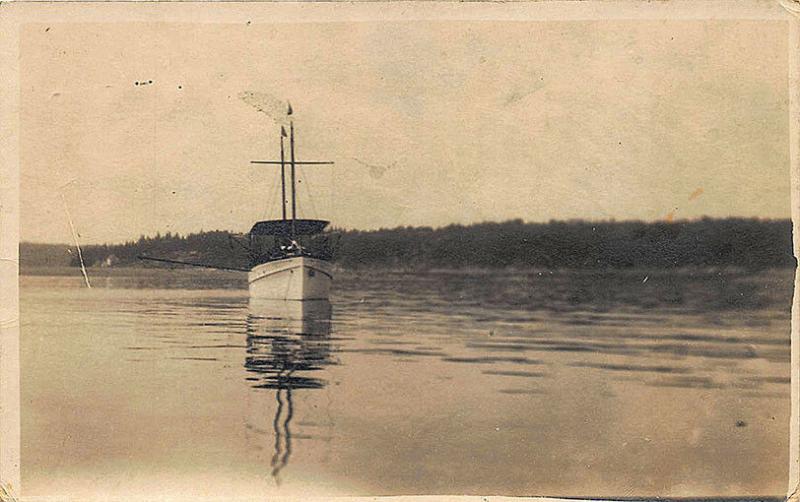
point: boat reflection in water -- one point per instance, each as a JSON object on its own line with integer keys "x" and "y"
{"x": 288, "y": 342}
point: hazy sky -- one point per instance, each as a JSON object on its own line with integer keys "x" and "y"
{"x": 428, "y": 123}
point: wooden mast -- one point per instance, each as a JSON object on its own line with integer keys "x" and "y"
{"x": 291, "y": 157}
{"x": 293, "y": 163}
{"x": 283, "y": 177}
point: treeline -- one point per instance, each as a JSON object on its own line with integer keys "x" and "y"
{"x": 215, "y": 247}
{"x": 749, "y": 243}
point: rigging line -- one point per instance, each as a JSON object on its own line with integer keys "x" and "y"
{"x": 276, "y": 199}
{"x": 274, "y": 195}
{"x": 201, "y": 265}
{"x": 315, "y": 213}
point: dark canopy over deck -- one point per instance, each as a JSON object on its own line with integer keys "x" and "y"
{"x": 283, "y": 228}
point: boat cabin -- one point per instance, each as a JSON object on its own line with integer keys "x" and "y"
{"x": 278, "y": 239}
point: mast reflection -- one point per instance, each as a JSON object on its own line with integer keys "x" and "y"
{"x": 287, "y": 342}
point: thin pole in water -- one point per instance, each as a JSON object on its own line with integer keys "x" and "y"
{"x": 77, "y": 245}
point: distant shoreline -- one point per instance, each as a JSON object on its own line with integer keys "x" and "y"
{"x": 557, "y": 245}
{"x": 127, "y": 271}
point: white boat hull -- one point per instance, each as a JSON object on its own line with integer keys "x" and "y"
{"x": 293, "y": 278}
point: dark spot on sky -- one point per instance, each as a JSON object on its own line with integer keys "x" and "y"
{"x": 741, "y": 423}
{"x": 47, "y": 29}
{"x": 180, "y": 87}
{"x": 248, "y": 23}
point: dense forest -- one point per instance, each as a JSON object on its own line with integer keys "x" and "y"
{"x": 749, "y": 243}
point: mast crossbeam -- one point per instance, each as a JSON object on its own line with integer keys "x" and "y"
{"x": 297, "y": 162}
{"x": 292, "y": 164}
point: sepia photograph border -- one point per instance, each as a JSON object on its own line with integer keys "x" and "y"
{"x": 15, "y": 15}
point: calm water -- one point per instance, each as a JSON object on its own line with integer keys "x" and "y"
{"x": 610, "y": 384}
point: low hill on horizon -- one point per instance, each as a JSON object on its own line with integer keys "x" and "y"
{"x": 740, "y": 242}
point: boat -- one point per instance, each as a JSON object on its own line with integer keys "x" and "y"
{"x": 290, "y": 258}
